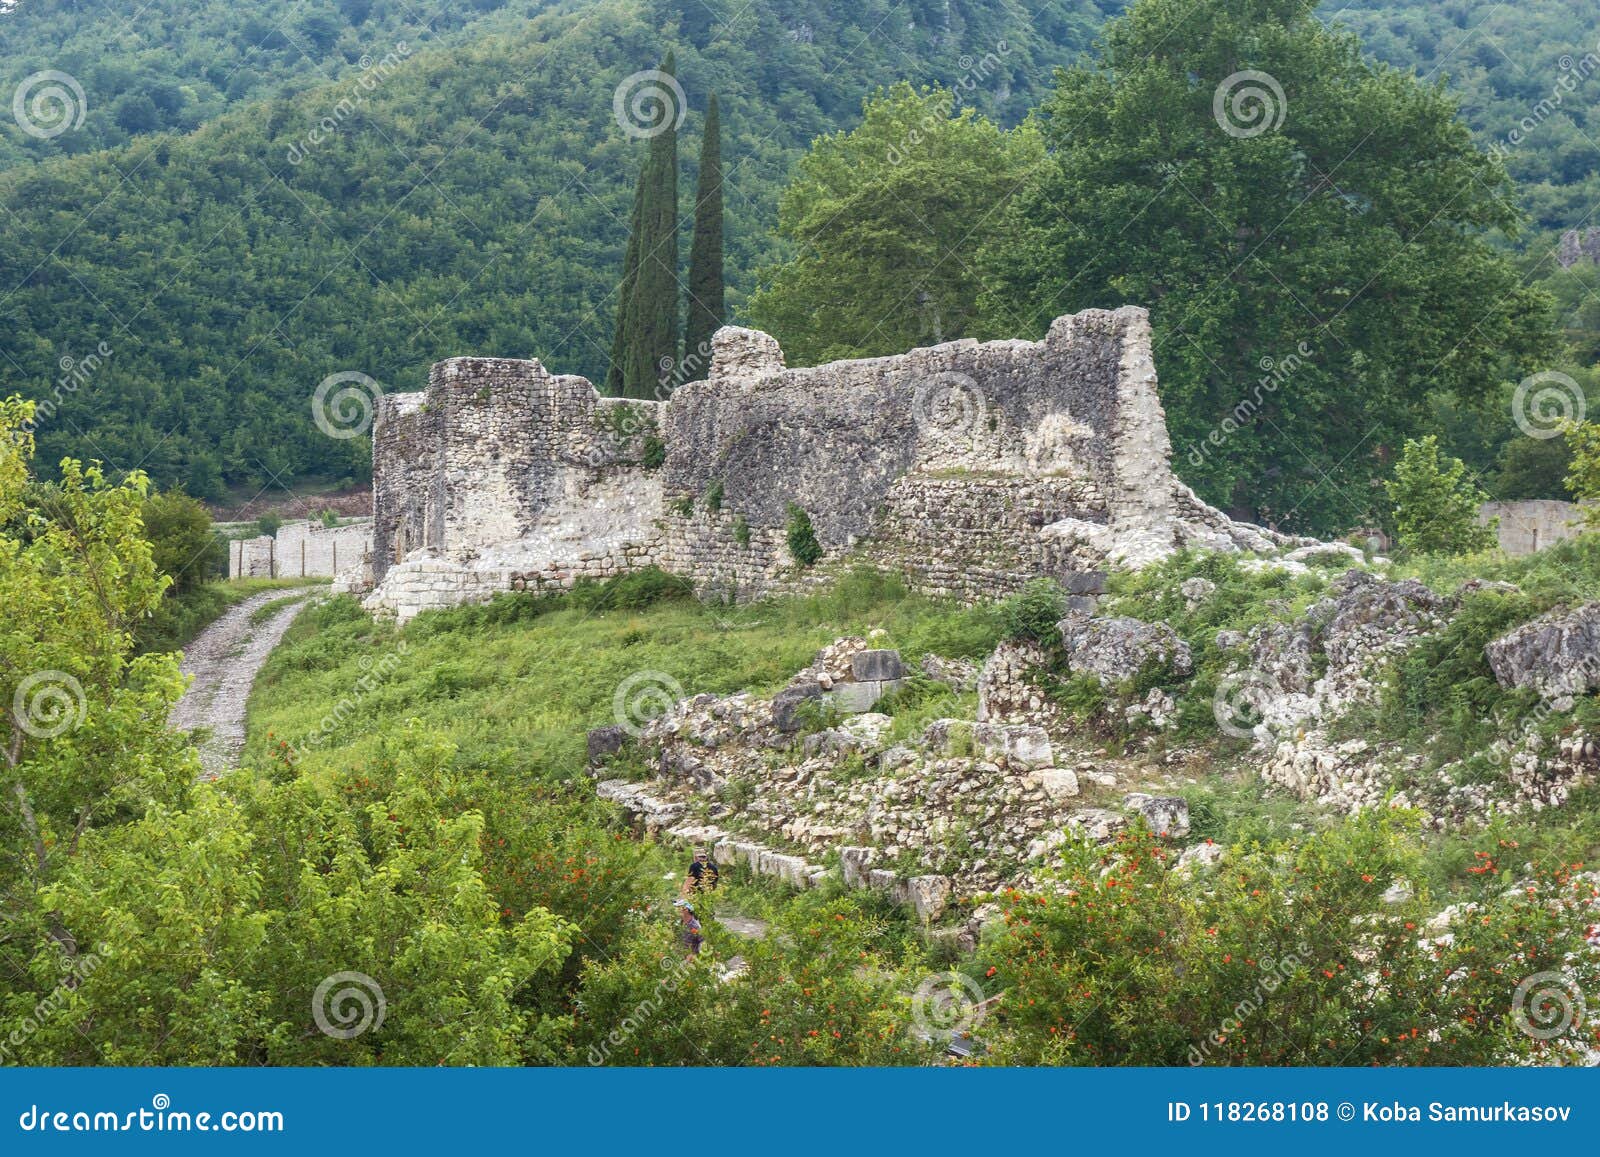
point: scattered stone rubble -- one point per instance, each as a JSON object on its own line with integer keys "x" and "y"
{"x": 962, "y": 808}
{"x": 813, "y": 780}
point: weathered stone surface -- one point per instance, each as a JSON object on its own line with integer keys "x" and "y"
{"x": 786, "y": 705}
{"x": 968, "y": 467}
{"x": 861, "y": 696}
{"x": 929, "y": 895}
{"x": 1557, "y": 654}
{"x": 1008, "y": 687}
{"x": 1165, "y": 815}
{"x": 1116, "y": 649}
{"x": 1058, "y": 782}
{"x": 605, "y": 742}
{"x": 876, "y": 665}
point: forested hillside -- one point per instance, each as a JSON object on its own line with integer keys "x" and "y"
{"x": 172, "y": 65}
{"x": 473, "y": 199}
{"x": 1507, "y": 64}
{"x": 261, "y": 195}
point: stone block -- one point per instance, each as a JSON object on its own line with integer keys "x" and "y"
{"x": 786, "y": 706}
{"x": 854, "y": 698}
{"x": 878, "y": 666}
{"x": 854, "y": 863}
{"x": 1165, "y": 815}
{"x": 605, "y": 742}
{"x": 1058, "y": 782}
{"x": 929, "y": 895}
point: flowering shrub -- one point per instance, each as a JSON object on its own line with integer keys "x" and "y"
{"x": 1279, "y": 956}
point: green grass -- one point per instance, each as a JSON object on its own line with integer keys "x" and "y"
{"x": 516, "y": 683}
{"x": 180, "y": 618}
{"x": 270, "y": 608}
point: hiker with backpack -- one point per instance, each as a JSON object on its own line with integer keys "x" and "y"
{"x": 690, "y": 932}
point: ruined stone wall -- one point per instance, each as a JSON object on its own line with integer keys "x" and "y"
{"x": 301, "y": 549}
{"x": 969, "y": 467}
{"x": 1531, "y": 524}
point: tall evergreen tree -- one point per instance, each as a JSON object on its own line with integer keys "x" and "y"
{"x": 706, "y": 310}
{"x": 630, "y": 273}
{"x": 652, "y": 309}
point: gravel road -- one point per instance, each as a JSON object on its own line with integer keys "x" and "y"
{"x": 224, "y": 660}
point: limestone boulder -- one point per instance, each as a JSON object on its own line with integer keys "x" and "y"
{"x": 1117, "y": 649}
{"x": 1557, "y": 654}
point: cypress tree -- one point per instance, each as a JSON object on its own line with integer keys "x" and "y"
{"x": 706, "y": 310}
{"x": 652, "y": 311}
{"x": 630, "y": 273}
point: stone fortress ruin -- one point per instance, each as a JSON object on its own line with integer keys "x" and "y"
{"x": 968, "y": 467}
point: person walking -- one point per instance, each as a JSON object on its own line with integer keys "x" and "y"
{"x": 689, "y": 933}
{"x": 704, "y": 875}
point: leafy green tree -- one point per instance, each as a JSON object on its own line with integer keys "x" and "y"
{"x": 1311, "y": 231}
{"x": 1436, "y": 502}
{"x": 886, "y": 219}
{"x": 183, "y": 544}
{"x": 706, "y": 307}
{"x": 1583, "y": 471}
{"x": 83, "y": 736}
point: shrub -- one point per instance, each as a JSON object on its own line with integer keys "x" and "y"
{"x": 654, "y": 455}
{"x": 269, "y": 524}
{"x": 182, "y": 543}
{"x": 1034, "y": 611}
{"x": 714, "y": 496}
{"x": 1284, "y": 954}
{"x": 632, "y": 591}
{"x": 741, "y": 530}
{"x": 1583, "y": 471}
{"x": 1436, "y": 503}
{"x": 802, "y": 537}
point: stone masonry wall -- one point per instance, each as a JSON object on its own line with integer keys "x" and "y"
{"x": 301, "y": 549}
{"x": 968, "y": 467}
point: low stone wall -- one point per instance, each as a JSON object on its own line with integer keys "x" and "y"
{"x": 1531, "y": 524}
{"x": 301, "y": 549}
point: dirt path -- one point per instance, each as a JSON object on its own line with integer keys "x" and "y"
{"x": 224, "y": 660}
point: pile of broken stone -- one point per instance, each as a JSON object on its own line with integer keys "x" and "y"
{"x": 968, "y": 807}
{"x": 963, "y": 808}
